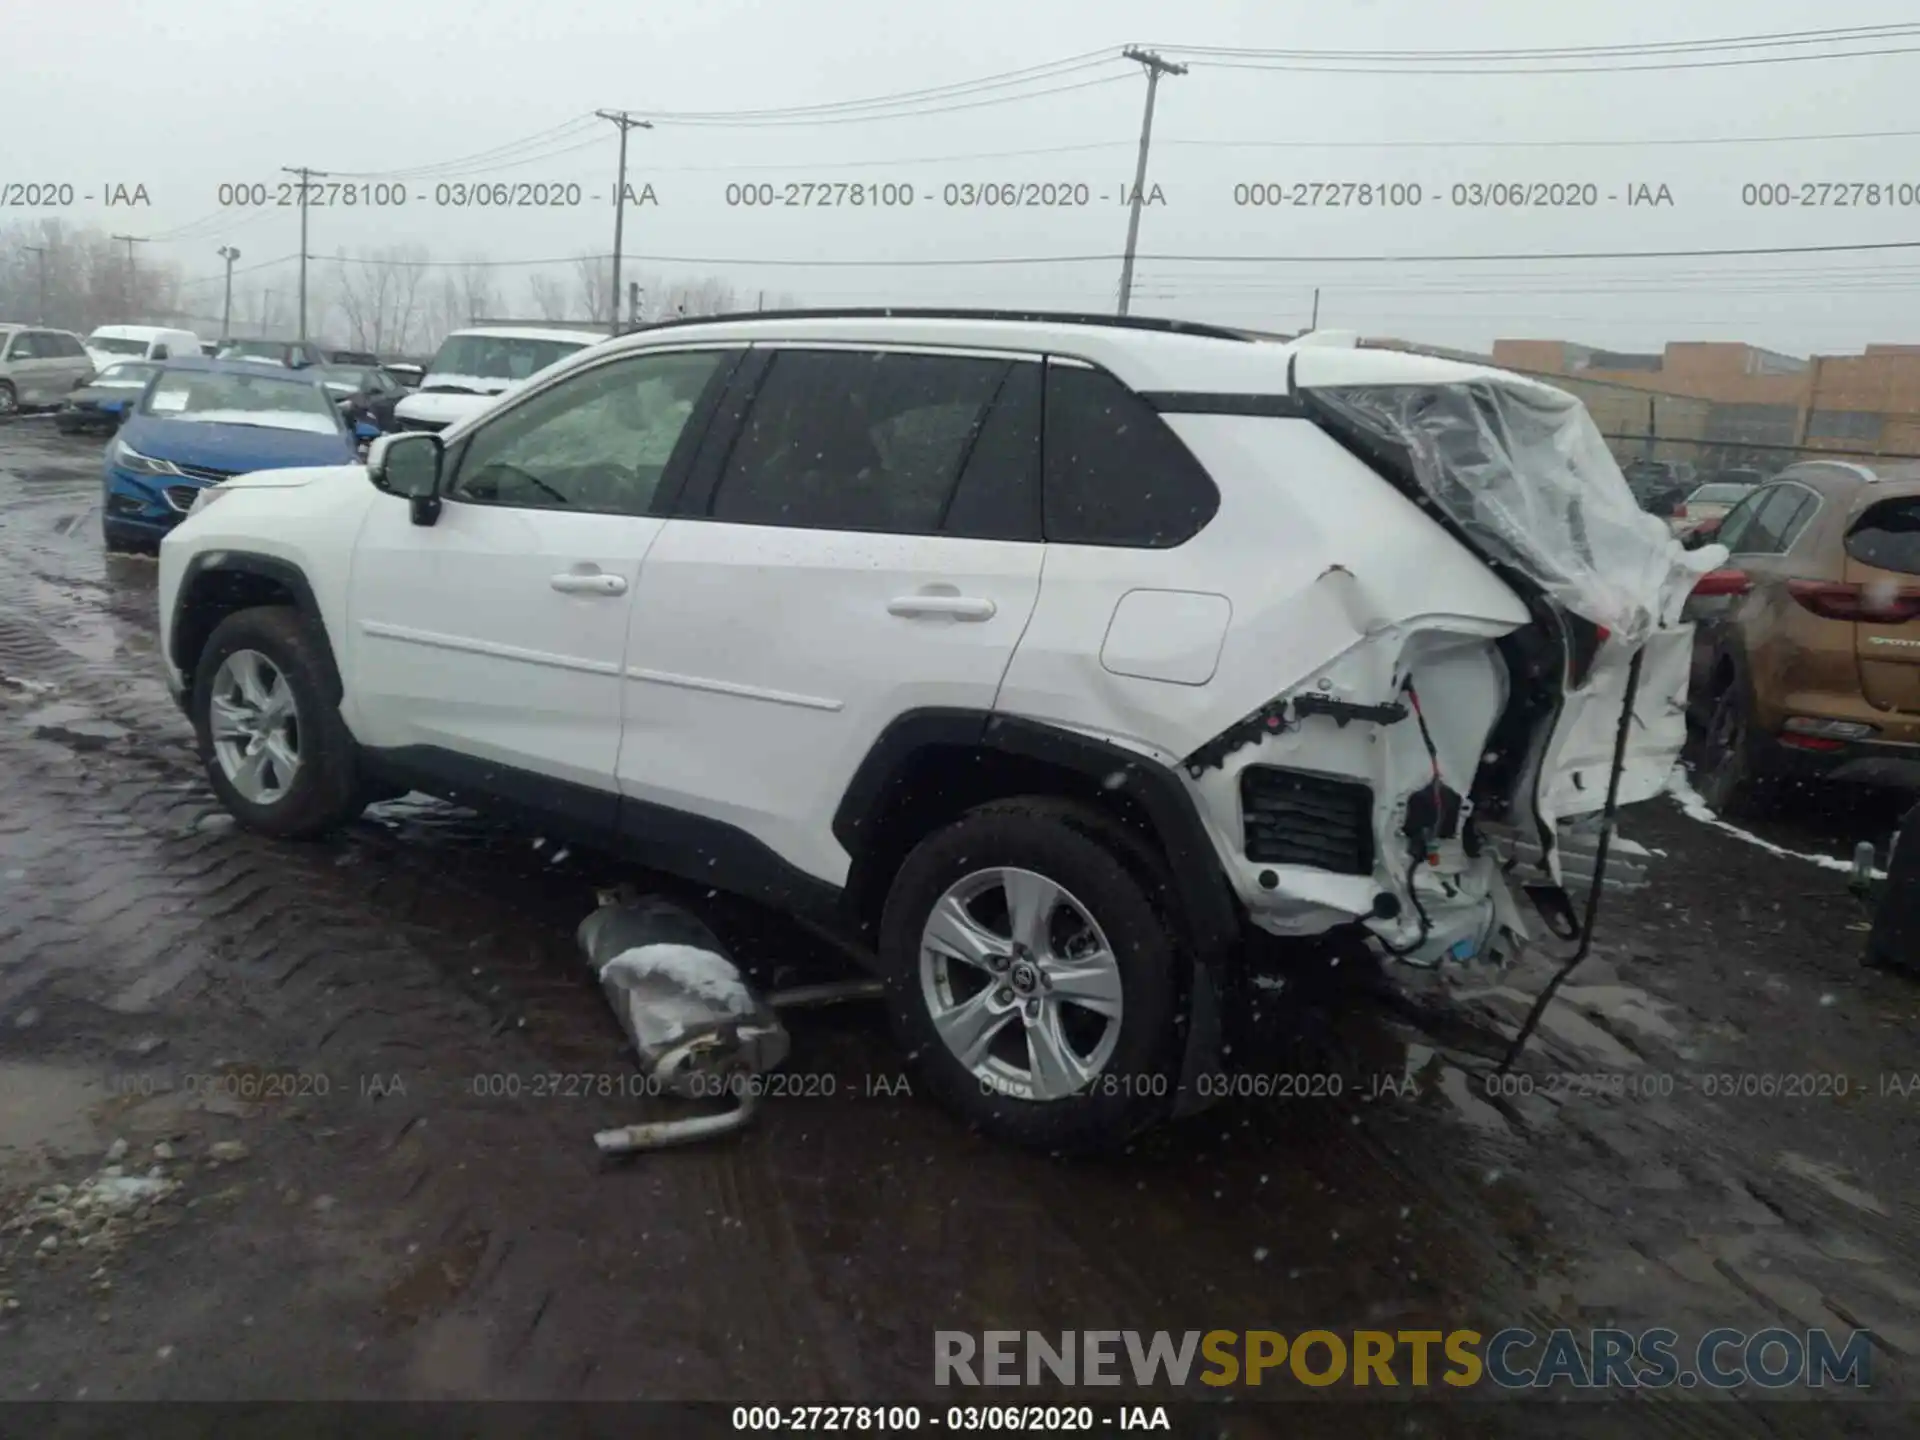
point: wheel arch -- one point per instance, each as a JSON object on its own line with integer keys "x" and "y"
{"x": 217, "y": 584}
{"x": 929, "y": 767}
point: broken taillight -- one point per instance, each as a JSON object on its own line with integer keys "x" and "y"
{"x": 1723, "y": 582}
{"x": 1879, "y": 605}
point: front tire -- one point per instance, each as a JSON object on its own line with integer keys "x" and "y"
{"x": 9, "y": 399}
{"x": 1031, "y": 980}
{"x": 276, "y": 750}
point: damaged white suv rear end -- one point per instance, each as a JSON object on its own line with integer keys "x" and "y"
{"x": 1450, "y": 652}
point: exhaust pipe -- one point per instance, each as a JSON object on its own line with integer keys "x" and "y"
{"x": 696, "y": 1027}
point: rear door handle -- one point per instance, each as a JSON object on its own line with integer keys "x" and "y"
{"x": 959, "y": 607}
{"x": 572, "y": 582}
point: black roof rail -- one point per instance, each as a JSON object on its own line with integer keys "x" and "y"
{"x": 909, "y": 312}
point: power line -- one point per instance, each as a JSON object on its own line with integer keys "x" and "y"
{"x": 904, "y": 114}
{"x": 1775, "y": 38}
{"x": 1484, "y": 70}
{"x": 1005, "y": 79}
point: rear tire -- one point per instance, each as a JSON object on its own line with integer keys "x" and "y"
{"x": 1051, "y": 1066}
{"x": 271, "y": 707}
{"x": 1731, "y": 778}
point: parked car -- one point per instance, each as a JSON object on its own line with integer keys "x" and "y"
{"x": 365, "y": 394}
{"x": 474, "y": 367}
{"x": 406, "y": 372}
{"x": 352, "y": 357}
{"x": 1657, "y": 485}
{"x": 1708, "y": 502}
{"x": 202, "y": 421}
{"x": 113, "y": 343}
{"x": 292, "y": 354}
{"x": 1807, "y": 661}
{"x": 209, "y": 348}
{"x": 39, "y": 366}
{"x": 1043, "y": 659}
{"x": 99, "y": 405}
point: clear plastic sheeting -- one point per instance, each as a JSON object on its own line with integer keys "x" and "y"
{"x": 1524, "y": 471}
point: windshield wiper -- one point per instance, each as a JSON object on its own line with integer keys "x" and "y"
{"x": 450, "y": 390}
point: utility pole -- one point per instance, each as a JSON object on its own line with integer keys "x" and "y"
{"x": 1155, "y": 66}
{"x": 1314, "y": 323}
{"x": 126, "y": 298}
{"x": 626, "y": 122}
{"x": 306, "y": 177}
{"x": 229, "y": 254}
{"x": 761, "y": 303}
{"x": 40, "y": 251}
{"x": 633, "y": 303}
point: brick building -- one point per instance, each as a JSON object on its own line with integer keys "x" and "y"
{"x": 1758, "y": 401}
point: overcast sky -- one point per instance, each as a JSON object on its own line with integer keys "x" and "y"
{"x": 182, "y": 98}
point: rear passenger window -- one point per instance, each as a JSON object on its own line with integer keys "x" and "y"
{"x": 1887, "y": 537}
{"x": 1774, "y": 517}
{"x": 864, "y": 440}
{"x": 1115, "y": 474}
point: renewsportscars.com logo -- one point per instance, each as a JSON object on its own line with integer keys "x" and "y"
{"x": 1512, "y": 1359}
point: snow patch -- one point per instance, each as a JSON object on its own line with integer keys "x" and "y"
{"x": 32, "y": 687}
{"x": 699, "y": 972}
{"x": 1694, "y": 808}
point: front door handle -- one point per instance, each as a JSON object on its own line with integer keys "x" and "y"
{"x": 959, "y": 607}
{"x": 573, "y": 582}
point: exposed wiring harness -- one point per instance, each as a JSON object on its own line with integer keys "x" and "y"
{"x": 1545, "y": 998}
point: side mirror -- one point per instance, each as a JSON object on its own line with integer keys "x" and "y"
{"x": 409, "y": 466}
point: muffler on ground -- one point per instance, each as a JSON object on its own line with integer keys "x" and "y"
{"x": 698, "y": 1031}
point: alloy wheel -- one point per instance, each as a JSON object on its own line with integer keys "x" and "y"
{"x": 1021, "y": 983}
{"x": 254, "y": 722}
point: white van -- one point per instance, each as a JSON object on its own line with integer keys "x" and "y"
{"x": 474, "y": 367}
{"x": 111, "y": 344}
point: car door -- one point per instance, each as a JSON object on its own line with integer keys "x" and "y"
{"x": 486, "y": 649}
{"x": 67, "y": 359}
{"x": 861, "y": 542}
{"x": 1750, "y": 622}
{"x": 30, "y": 369}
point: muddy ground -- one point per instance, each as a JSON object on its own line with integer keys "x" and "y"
{"x": 343, "y": 1056}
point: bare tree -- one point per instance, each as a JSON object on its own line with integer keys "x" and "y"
{"x": 376, "y": 293}
{"x": 549, "y": 297}
{"x": 593, "y": 277}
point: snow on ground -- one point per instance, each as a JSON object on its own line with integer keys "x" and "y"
{"x": 1696, "y": 809}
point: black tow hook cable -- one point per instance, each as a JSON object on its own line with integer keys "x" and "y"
{"x": 1599, "y": 868}
{"x": 1420, "y": 849}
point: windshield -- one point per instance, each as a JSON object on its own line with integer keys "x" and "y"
{"x": 263, "y": 400}
{"x": 500, "y": 358}
{"x": 1719, "y": 495}
{"x": 134, "y": 375}
{"x": 1526, "y": 475}
{"x": 341, "y": 377}
{"x": 112, "y": 345}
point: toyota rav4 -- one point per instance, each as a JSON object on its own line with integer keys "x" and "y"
{"x": 1051, "y": 661}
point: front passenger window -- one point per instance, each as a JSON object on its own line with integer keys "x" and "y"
{"x": 598, "y": 441}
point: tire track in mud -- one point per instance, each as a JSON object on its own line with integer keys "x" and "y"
{"x": 298, "y": 920}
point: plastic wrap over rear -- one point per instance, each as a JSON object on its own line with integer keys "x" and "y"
{"x": 1523, "y": 469}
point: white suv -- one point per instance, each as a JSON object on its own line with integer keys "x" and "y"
{"x": 1049, "y": 659}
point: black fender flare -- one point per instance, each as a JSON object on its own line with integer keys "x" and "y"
{"x": 1207, "y": 902}
{"x": 266, "y": 567}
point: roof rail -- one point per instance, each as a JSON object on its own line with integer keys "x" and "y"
{"x": 908, "y": 312}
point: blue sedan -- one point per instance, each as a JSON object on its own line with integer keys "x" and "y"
{"x": 201, "y": 421}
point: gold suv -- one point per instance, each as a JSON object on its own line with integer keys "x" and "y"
{"x": 1807, "y": 651}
